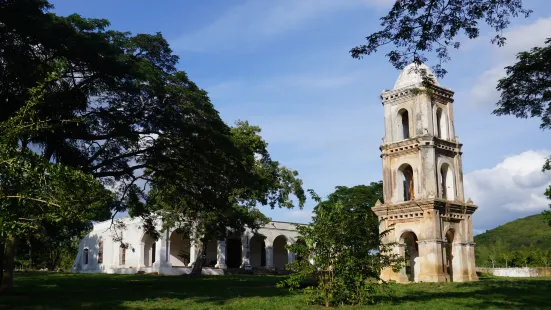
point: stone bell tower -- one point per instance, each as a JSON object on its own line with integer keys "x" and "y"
{"x": 424, "y": 204}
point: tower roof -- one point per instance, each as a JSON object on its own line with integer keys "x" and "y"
{"x": 411, "y": 75}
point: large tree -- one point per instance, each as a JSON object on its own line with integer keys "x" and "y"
{"x": 35, "y": 192}
{"x": 118, "y": 112}
{"x": 253, "y": 178}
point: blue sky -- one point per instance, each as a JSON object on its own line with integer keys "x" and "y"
{"x": 284, "y": 65}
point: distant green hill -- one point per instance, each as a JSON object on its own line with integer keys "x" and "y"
{"x": 529, "y": 230}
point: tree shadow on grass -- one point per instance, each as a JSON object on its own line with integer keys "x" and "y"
{"x": 489, "y": 292}
{"x": 75, "y": 291}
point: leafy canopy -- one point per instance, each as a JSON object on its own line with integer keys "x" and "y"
{"x": 417, "y": 27}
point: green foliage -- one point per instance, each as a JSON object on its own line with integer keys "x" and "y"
{"x": 525, "y": 231}
{"x": 524, "y": 242}
{"x": 346, "y": 253}
{"x": 417, "y": 27}
{"x": 526, "y": 90}
{"x": 229, "y": 205}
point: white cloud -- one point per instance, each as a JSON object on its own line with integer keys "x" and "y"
{"x": 257, "y": 20}
{"x": 519, "y": 39}
{"x": 512, "y": 189}
{"x": 301, "y": 216}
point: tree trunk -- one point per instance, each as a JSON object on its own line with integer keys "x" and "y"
{"x": 29, "y": 243}
{"x": 7, "y": 277}
{"x": 200, "y": 258}
{"x": 2, "y": 249}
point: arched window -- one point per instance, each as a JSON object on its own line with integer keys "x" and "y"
{"x": 100, "y": 252}
{"x": 407, "y": 180}
{"x": 441, "y": 124}
{"x": 122, "y": 255}
{"x": 448, "y": 184}
{"x": 85, "y": 256}
{"x": 403, "y": 124}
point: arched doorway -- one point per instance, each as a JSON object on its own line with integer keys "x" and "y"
{"x": 449, "y": 238}
{"x": 233, "y": 252}
{"x": 407, "y": 182}
{"x": 258, "y": 251}
{"x": 180, "y": 246}
{"x": 211, "y": 253}
{"x": 410, "y": 252}
{"x": 448, "y": 184}
{"x": 149, "y": 249}
{"x": 280, "y": 252}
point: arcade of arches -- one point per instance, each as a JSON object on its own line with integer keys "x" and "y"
{"x": 247, "y": 252}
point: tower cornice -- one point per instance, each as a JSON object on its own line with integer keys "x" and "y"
{"x": 413, "y": 145}
{"x": 397, "y": 96}
{"x": 447, "y": 208}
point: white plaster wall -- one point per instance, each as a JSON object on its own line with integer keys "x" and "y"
{"x": 517, "y": 272}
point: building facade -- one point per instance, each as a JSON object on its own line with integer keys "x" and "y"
{"x": 174, "y": 253}
{"x": 424, "y": 204}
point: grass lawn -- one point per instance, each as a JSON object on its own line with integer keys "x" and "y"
{"x": 100, "y": 291}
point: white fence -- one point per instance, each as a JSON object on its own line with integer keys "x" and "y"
{"x": 517, "y": 272}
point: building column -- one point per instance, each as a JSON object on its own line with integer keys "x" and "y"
{"x": 471, "y": 262}
{"x": 221, "y": 254}
{"x": 167, "y": 261}
{"x": 159, "y": 248}
{"x": 245, "y": 253}
{"x": 269, "y": 256}
{"x": 141, "y": 262}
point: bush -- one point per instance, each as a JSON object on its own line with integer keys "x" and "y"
{"x": 340, "y": 256}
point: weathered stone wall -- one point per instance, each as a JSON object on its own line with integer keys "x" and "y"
{"x": 517, "y": 272}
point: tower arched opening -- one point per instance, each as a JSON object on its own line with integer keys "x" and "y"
{"x": 441, "y": 124}
{"x": 449, "y": 239}
{"x": 409, "y": 249}
{"x": 448, "y": 184}
{"x": 403, "y": 124}
{"x": 405, "y": 173}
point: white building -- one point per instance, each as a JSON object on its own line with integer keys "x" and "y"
{"x": 174, "y": 254}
